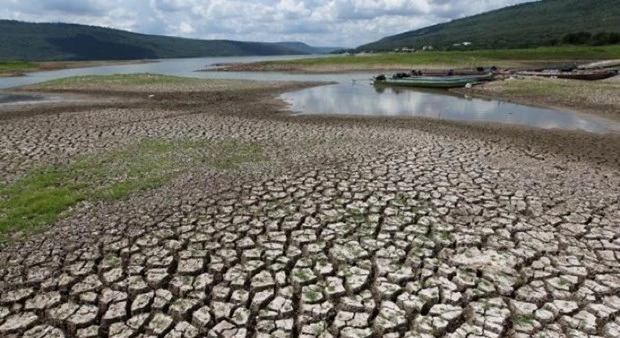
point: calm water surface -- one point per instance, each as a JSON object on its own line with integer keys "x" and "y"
{"x": 359, "y": 98}
{"x": 352, "y": 95}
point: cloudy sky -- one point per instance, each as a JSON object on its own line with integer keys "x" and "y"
{"x": 346, "y": 23}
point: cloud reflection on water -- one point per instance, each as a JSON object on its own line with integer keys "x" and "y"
{"x": 362, "y": 99}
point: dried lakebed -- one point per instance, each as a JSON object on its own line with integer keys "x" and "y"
{"x": 343, "y": 227}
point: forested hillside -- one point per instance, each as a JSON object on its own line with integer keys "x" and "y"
{"x": 539, "y": 23}
{"x": 59, "y": 41}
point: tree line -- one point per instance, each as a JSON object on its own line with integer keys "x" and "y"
{"x": 587, "y": 38}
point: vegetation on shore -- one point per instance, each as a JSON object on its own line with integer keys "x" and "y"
{"x": 501, "y": 57}
{"x": 19, "y": 67}
{"x": 146, "y": 83}
{"x": 42, "y": 196}
{"x": 12, "y": 68}
{"x": 113, "y": 80}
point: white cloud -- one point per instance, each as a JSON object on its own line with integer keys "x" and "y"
{"x": 186, "y": 28}
{"x": 345, "y": 23}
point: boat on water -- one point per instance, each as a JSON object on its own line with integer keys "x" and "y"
{"x": 574, "y": 75}
{"x": 451, "y": 81}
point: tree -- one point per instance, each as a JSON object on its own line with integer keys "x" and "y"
{"x": 600, "y": 38}
{"x": 580, "y": 38}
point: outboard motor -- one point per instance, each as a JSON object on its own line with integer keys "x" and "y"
{"x": 380, "y": 78}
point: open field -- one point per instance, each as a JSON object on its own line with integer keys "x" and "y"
{"x": 18, "y": 68}
{"x": 205, "y": 210}
{"x": 506, "y": 58}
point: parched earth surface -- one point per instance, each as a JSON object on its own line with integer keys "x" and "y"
{"x": 349, "y": 228}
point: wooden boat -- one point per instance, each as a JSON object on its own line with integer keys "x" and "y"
{"x": 576, "y": 75}
{"x": 455, "y": 81}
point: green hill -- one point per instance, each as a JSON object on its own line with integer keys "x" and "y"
{"x": 527, "y": 25}
{"x": 59, "y": 41}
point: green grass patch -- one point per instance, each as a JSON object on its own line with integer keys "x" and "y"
{"x": 43, "y": 195}
{"x": 466, "y": 58}
{"x": 117, "y": 80}
{"x": 17, "y": 66}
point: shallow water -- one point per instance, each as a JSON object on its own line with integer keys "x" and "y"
{"x": 353, "y": 95}
{"x": 361, "y": 98}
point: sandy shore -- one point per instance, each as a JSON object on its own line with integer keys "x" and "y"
{"x": 350, "y": 227}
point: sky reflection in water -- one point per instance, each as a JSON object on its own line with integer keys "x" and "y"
{"x": 363, "y": 99}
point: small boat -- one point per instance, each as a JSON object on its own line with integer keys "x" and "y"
{"x": 453, "y": 81}
{"x": 575, "y": 75}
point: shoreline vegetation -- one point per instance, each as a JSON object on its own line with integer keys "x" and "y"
{"x": 21, "y": 68}
{"x": 503, "y": 58}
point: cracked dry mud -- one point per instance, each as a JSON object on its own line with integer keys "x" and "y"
{"x": 352, "y": 228}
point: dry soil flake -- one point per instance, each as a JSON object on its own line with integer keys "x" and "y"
{"x": 44, "y": 331}
{"x": 18, "y": 322}
{"x": 83, "y": 317}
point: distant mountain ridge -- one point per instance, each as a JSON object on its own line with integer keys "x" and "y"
{"x": 306, "y": 49}
{"x": 521, "y": 26}
{"x": 61, "y": 41}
